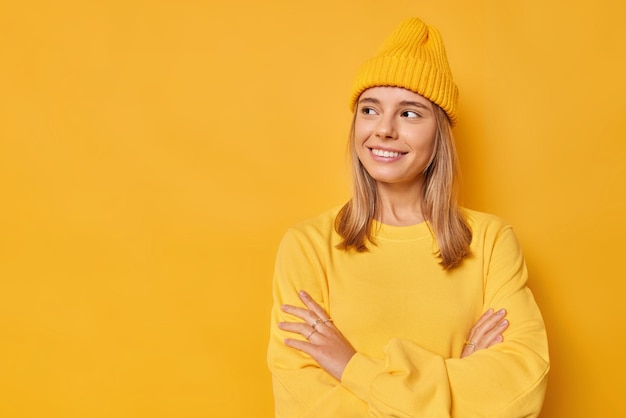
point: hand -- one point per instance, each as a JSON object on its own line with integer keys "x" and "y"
{"x": 486, "y": 332}
{"x": 325, "y": 343}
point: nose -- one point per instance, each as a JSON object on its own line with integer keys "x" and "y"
{"x": 385, "y": 129}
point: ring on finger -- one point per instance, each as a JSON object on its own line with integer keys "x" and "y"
{"x": 317, "y": 322}
{"x": 470, "y": 344}
{"x": 312, "y": 332}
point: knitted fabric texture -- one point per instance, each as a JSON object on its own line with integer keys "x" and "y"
{"x": 414, "y": 58}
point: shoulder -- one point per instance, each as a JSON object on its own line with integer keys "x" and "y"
{"x": 490, "y": 232}
{"x": 483, "y": 223}
{"x": 320, "y": 222}
{"x": 318, "y": 231}
{"x": 320, "y": 226}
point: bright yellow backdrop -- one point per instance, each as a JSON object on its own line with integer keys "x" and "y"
{"x": 152, "y": 153}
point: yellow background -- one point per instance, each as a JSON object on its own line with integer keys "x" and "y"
{"x": 152, "y": 153}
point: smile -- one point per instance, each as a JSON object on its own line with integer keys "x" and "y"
{"x": 386, "y": 154}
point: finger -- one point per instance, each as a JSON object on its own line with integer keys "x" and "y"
{"x": 301, "y": 328}
{"x": 494, "y": 336}
{"x": 486, "y": 332}
{"x": 478, "y": 325}
{"x": 467, "y": 350}
{"x": 303, "y": 346}
{"x": 313, "y": 306}
{"x": 485, "y": 320}
{"x": 295, "y": 327}
{"x": 302, "y": 313}
{"x": 492, "y": 321}
{"x": 486, "y": 323}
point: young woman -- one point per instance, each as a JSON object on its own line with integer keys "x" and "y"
{"x": 394, "y": 304}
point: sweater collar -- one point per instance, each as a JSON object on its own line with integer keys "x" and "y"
{"x": 403, "y": 233}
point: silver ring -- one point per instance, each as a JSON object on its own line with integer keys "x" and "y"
{"x": 470, "y": 344}
{"x": 312, "y": 332}
{"x": 317, "y": 322}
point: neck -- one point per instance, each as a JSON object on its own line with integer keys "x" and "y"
{"x": 400, "y": 205}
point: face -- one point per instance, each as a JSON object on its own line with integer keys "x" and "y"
{"x": 394, "y": 134}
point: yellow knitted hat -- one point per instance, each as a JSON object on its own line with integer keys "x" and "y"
{"x": 413, "y": 57}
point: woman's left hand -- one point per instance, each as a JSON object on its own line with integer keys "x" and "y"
{"x": 486, "y": 332}
{"x": 325, "y": 342}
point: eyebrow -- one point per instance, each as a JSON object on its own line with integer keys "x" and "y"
{"x": 416, "y": 104}
{"x": 402, "y": 103}
{"x": 369, "y": 100}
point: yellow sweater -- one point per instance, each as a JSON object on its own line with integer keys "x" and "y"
{"x": 408, "y": 319}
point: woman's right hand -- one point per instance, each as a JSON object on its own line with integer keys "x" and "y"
{"x": 486, "y": 332}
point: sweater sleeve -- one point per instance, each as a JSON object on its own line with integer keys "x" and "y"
{"x": 301, "y": 387}
{"x": 506, "y": 380}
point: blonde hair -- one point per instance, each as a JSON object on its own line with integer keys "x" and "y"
{"x": 439, "y": 201}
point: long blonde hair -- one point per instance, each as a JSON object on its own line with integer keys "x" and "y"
{"x": 439, "y": 201}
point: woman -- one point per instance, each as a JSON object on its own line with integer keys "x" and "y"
{"x": 393, "y": 305}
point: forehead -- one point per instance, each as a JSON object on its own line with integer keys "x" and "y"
{"x": 393, "y": 95}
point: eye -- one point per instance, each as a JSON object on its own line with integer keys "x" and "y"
{"x": 368, "y": 111}
{"x": 410, "y": 114}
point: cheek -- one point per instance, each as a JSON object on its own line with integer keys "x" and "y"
{"x": 358, "y": 148}
{"x": 423, "y": 140}
{"x": 363, "y": 129}
{"x": 359, "y": 135}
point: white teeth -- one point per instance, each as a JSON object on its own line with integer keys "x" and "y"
{"x": 387, "y": 154}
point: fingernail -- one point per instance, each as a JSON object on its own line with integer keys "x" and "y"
{"x": 280, "y": 324}
{"x": 303, "y": 293}
{"x": 500, "y": 312}
{"x": 504, "y": 323}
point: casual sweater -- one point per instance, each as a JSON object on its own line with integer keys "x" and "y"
{"x": 408, "y": 319}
